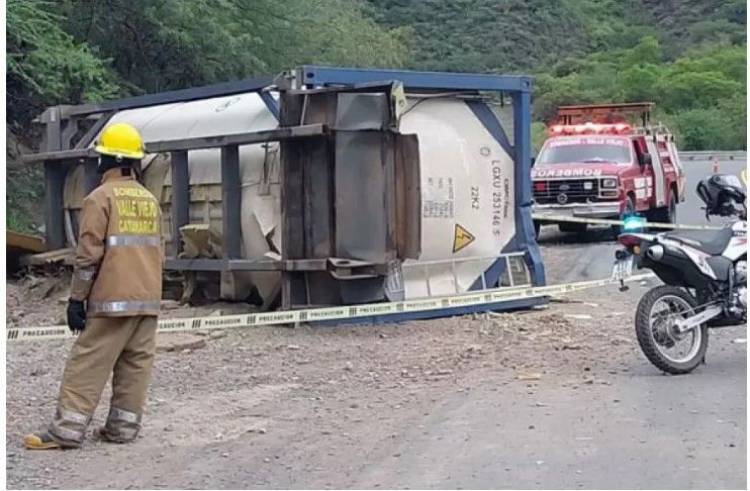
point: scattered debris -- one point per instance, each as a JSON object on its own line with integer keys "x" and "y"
{"x": 167, "y": 342}
{"x": 529, "y": 376}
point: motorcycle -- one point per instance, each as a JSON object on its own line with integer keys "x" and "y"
{"x": 704, "y": 274}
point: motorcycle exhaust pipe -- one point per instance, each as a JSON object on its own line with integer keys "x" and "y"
{"x": 655, "y": 252}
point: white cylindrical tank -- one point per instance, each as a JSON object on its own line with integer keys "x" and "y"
{"x": 467, "y": 197}
{"x": 468, "y": 200}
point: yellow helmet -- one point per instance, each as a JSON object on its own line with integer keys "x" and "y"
{"x": 120, "y": 140}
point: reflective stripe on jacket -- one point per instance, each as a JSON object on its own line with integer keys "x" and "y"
{"x": 120, "y": 254}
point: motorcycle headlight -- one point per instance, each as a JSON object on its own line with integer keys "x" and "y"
{"x": 609, "y": 183}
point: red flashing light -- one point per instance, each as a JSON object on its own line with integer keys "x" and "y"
{"x": 590, "y": 129}
{"x": 540, "y": 186}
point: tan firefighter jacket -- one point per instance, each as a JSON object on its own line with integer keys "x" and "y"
{"x": 119, "y": 259}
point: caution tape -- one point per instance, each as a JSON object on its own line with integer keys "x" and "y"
{"x": 468, "y": 299}
{"x": 606, "y": 221}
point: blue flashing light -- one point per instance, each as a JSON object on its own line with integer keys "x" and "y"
{"x": 633, "y": 222}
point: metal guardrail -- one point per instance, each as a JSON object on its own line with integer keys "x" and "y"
{"x": 717, "y": 155}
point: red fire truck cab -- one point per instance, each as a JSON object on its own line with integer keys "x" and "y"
{"x": 596, "y": 163}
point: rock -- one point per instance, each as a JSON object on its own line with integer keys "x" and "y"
{"x": 292, "y": 347}
{"x": 618, "y": 340}
{"x": 170, "y": 305}
{"x": 528, "y": 376}
{"x": 168, "y": 342}
{"x": 572, "y": 347}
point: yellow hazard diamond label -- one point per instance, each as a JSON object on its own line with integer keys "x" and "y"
{"x": 461, "y": 238}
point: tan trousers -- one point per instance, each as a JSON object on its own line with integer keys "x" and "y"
{"x": 121, "y": 346}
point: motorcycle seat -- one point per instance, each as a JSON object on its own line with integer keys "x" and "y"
{"x": 711, "y": 242}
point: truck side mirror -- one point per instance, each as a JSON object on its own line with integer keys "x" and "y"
{"x": 533, "y": 161}
{"x": 644, "y": 159}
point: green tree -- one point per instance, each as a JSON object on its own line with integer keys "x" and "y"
{"x": 46, "y": 65}
{"x": 158, "y": 45}
{"x": 690, "y": 90}
{"x": 646, "y": 52}
{"x": 638, "y": 83}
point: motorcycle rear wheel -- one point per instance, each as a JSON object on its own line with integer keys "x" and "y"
{"x": 656, "y": 334}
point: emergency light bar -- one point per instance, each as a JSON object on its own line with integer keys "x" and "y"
{"x": 590, "y": 129}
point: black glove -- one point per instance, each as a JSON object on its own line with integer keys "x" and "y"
{"x": 76, "y": 316}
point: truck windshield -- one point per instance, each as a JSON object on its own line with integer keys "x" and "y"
{"x": 586, "y": 151}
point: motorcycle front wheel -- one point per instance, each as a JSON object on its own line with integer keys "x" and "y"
{"x": 664, "y": 346}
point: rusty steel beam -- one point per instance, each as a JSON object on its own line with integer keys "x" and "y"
{"x": 180, "y": 197}
{"x": 53, "y": 157}
{"x": 231, "y": 194}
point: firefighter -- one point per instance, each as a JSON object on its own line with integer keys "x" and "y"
{"x": 114, "y": 300}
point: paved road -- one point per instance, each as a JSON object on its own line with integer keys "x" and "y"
{"x": 673, "y": 410}
{"x": 642, "y": 430}
{"x": 689, "y": 212}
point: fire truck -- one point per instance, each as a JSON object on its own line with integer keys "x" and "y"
{"x": 597, "y": 162}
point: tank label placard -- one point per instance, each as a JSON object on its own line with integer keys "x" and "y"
{"x": 438, "y": 199}
{"x": 461, "y": 238}
{"x": 500, "y": 198}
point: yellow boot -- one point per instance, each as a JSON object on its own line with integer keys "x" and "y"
{"x": 40, "y": 441}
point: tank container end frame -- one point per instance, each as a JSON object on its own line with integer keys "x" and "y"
{"x": 519, "y": 88}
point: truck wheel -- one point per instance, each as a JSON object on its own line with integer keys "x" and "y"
{"x": 569, "y": 227}
{"x": 666, "y": 214}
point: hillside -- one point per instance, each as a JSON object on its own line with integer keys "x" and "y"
{"x": 689, "y": 56}
{"x": 522, "y": 35}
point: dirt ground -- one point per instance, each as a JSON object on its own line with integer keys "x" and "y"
{"x": 252, "y": 383}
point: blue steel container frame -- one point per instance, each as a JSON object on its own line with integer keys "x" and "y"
{"x": 519, "y": 87}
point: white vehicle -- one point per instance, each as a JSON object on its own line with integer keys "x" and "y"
{"x": 705, "y": 276}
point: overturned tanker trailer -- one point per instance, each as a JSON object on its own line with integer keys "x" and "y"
{"x": 324, "y": 186}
